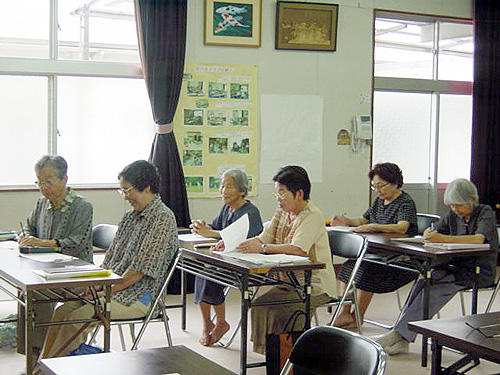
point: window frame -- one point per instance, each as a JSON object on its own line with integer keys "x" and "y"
{"x": 52, "y": 68}
{"x": 433, "y": 86}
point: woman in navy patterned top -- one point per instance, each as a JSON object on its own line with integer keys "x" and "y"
{"x": 393, "y": 211}
{"x": 233, "y": 190}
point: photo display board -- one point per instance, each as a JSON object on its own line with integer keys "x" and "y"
{"x": 217, "y": 126}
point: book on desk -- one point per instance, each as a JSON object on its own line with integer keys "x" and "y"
{"x": 69, "y": 272}
{"x": 7, "y": 235}
{"x": 442, "y": 245}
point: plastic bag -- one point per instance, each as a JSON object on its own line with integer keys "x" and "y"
{"x": 8, "y": 332}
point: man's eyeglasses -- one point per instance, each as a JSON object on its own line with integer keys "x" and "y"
{"x": 125, "y": 192}
{"x": 378, "y": 186}
{"x": 48, "y": 182}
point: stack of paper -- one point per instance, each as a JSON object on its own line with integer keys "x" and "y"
{"x": 267, "y": 259}
{"x": 455, "y": 246}
{"x": 8, "y": 235}
{"x": 416, "y": 239}
{"x": 72, "y": 271}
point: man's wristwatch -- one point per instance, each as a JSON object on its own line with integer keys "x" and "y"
{"x": 264, "y": 248}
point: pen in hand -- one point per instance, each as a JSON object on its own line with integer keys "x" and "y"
{"x": 22, "y": 228}
{"x": 433, "y": 227}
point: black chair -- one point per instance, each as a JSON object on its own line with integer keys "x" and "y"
{"x": 352, "y": 246}
{"x": 335, "y": 351}
{"x": 424, "y": 221}
{"x": 102, "y": 237}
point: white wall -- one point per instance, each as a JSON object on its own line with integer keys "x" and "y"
{"x": 341, "y": 78}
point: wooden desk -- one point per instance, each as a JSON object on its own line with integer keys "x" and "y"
{"x": 32, "y": 289}
{"x": 241, "y": 275}
{"x": 455, "y": 334}
{"x": 156, "y": 361}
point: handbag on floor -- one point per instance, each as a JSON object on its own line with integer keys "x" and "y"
{"x": 279, "y": 345}
{"x": 84, "y": 349}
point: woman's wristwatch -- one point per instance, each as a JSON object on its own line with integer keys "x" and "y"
{"x": 264, "y": 248}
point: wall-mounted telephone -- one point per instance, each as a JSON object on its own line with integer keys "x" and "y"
{"x": 362, "y": 127}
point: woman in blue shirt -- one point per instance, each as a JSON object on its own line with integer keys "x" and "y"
{"x": 233, "y": 190}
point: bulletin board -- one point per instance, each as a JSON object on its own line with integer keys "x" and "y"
{"x": 217, "y": 126}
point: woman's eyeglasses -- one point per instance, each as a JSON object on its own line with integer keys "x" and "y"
{"x": 378, "y": 186}
{"x": 281, "y": 196}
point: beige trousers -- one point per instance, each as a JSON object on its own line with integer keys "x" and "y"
{"x": 57, "y": 336}
{"x": 273, "y": 318}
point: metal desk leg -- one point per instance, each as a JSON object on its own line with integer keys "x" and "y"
{"x": 183, "y": 298}
{"x": 427, "y": 284}
{"x": 437, "y": 351}
{"x": 475, "y": 291}
{"x": 29, "y": 331}
{"x": 107, "y": 317}
{"x": 245, "y": 304}
{"x": 307, "y": 287}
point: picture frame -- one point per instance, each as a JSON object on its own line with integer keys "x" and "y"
{"x": 234, "y": 23}
{"x": 306, "y": 26}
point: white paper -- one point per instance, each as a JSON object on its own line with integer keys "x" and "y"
{"x": 341, "y": 228}
{"x": 48, "y": 257}
{"x": 273, "y": 259}
{"x": 191, "y": 237}
{"x": 456, "y": 246}
{"x": 235, "y": 233}
{"x": 8, "y": 245}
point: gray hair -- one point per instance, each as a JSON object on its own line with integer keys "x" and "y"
{"x": 54, "y": 161}
{"x": 460, "y": 191}
{"x": 240, "y": 179}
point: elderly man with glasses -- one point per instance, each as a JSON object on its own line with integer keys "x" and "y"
{"x": 61, "y": 220}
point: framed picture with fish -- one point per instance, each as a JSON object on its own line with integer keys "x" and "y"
{"x": 233, "y": 22}
{"x": 306, "y": 26}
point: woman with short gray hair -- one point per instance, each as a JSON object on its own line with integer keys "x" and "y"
{"x": 467, "y": 222}
{"x": 460, "y": 191}
{"x": 233, "y": 190}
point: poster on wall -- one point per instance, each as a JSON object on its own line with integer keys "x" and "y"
{"x": 216, "y": 125}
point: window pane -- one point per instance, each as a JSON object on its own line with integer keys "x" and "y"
{"x": 402, "y": 49}
{"x": 101, "y": 31}
{"x": 455, "y": 134}
{"x": 24, "y": 128}
{"x": 401, "y": 133}
{"x": 104, "y": 124}
{"x": 456, "y": 52}
{"x": 24, "y": 28}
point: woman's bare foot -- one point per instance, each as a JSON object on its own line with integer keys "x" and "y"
{"x": 218, "y": 331}
{"x": 345, "y": 320}
{"x": 206, "y": 339}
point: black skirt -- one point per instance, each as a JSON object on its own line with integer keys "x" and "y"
{"x": 375, "y": 277}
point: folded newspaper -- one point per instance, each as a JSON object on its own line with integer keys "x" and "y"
{"x": 68, "y": 272}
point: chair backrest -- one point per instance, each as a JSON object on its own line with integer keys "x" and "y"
{"x": 424, "y": 221}
{"x": 335, "y": 351}
{"x": 346, "y": 244}
{"x": 103, "y": 235}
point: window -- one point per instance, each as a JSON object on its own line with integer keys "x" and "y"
{"x": 71, "y": 84}
{"x": 422, "y": 108}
